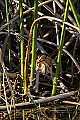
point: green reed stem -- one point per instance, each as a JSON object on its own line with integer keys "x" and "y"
{"x": 34, "y": 39}
{"x": 60, "y": 50}
{"x": 75, "y": 13}
{"x": 22, "y": 41}
{"x": 25, "y": 1}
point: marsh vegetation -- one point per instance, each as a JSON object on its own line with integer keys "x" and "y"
{"x": 40, "y": 59}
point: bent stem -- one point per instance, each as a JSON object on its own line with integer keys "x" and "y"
{"x": 30, "y": 35}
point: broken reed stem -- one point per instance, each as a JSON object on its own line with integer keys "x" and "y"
{"x": 60, "y": 50}
{"x": 39, "y": 101}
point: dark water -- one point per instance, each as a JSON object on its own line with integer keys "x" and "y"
{"x": 48, "y": 112}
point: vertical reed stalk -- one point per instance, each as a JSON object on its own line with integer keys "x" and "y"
{"x": 77, "y": 21}
{"x": 34, "y": 39}
{"x": 7, "y": 19}
{"x": 75, "y": 13}
{"x": 60, "y": 50}
{"x": 22, "y": 44}
{"x": 22, "y": 41}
